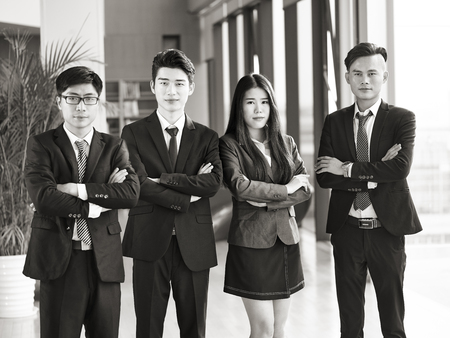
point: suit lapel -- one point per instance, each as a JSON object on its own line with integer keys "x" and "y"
{"x": 349, "y": 132}
{"x": 377, "y": 128}
{"x": 187, "y": 140}
{"x": 95, "y": 150}
{"x": 63, "y": 142}
{"x": 155, "y": 132}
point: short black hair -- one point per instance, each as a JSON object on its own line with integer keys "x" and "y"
{"x": 78, "y": 75}
{"x": 173, "y": 58}
{"x": 364, "y": 49}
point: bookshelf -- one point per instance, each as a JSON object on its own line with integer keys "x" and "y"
{"x": 127, "y": 101}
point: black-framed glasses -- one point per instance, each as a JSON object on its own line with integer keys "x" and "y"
{"x": 74, "y": 100}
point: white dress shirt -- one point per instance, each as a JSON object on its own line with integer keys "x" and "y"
{"x": 369, "y": 212}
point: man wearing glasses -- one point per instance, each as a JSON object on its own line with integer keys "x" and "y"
{"x": 77, "y": 178}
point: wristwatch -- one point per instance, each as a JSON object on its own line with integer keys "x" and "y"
{"x": 345, "y": 166}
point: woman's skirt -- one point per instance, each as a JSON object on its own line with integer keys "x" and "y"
{"x": 264, "y": 274}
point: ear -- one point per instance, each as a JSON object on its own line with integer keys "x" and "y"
{"x": 191, "y": 88}
{"x": 385, "y": 76}
{"x": 58, "y": 102}
{"x": 347, "y": 77}
{"x": 152, "y": 86}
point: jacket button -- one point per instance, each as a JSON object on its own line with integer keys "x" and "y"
{"x": 68, "y": 228}
{"x": 106, "y": 196}
{"x": 96, "y": 195}
{"x": 70, "y": 215}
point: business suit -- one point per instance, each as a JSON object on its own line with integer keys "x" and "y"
{"x": 50, "y": 161}
{"x": 392, "y": 203}
{"x": 162, "y": 207}
{"x": 260, "y": 227}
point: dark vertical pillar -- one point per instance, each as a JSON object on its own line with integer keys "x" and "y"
{"x": 265, "y": 38}
{"x": 233, "y": 52}
{"x": 321, "y": 196}
{"x": 217, "y": 113}
{"x": 248, "y": 40}
{"x": 292, "y": 73}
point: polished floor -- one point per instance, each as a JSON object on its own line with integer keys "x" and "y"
{"x": 314, "y": 312}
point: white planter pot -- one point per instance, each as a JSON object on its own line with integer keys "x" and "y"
{"x": 16, "y": 290}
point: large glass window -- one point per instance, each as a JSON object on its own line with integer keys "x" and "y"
{"x": 422, "y": 74}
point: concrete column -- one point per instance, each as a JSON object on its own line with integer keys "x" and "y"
{"x": 63, "y": 20}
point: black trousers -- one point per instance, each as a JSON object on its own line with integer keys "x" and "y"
{"x": 151, "y": 287}
{"x": 79, "y": 298}
{"x": 356, "y": 250}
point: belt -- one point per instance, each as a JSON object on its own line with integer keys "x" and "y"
{"x": 364, "y": 223}
{"x": 76, "y": 245}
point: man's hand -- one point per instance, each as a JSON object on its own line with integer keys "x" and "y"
{"x": 206, "y": 168}
{"x": 118, "y": 176}
{"x": 392, "y": 152}
{"x": 68, "y": 188}
{"x": 328, "y": 164}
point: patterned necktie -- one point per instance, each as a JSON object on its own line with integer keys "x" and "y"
{"x": 362, "y": 200}
{"x": 173, "y": 151}
{"x": 82, "y": 227}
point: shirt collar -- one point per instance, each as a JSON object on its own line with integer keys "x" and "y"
{"x": 73, "y": 137}
{"x": 164, "y": 123}
{"x": 373, "y": 109}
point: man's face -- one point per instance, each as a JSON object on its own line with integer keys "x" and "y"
{"x": 366, "y": 77}
{"x": 78, "y": 117}
{"x": 172, "y": 89}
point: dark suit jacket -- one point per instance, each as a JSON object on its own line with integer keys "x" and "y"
{"x": 161, "y": 206}
{"x": 391, "y": 199}
{"x": 259, "y": 227}
{"x": 51, "y": 161}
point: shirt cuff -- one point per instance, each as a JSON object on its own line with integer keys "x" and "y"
{"x": 82, "y": 192}
{"x": 94, "y": 210}
{"x": 372, "y": 185}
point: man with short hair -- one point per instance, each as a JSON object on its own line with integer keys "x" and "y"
{"x": 365, "y": 155}
{"x": 77, "y": 178}
{"x": 169, "y": 233}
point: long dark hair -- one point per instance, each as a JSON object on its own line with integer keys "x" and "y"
{"x": 237, "y": 127}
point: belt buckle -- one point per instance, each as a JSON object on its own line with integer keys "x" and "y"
{"x": 367, "y": 223}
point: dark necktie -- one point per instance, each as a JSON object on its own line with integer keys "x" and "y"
{"x": 173, "y": 149}
{"x": 82, "y": 227}
{"x": 362, "y": 200}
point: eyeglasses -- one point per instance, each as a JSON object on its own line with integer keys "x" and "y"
{"x": 74, "y": 100}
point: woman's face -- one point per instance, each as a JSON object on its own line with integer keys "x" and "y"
{"x": 256, "y": 108}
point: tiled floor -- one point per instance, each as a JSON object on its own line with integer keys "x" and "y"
{"x": 314, "y": 311}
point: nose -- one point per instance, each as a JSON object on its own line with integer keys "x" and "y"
{"x": 258, "y": 108}
{"x": 365, "y": 79}
{"x": 171, "y": 90}
{"x": 81, "y": 106}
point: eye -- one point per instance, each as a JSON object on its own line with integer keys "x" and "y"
{"x": 265, "y": 101}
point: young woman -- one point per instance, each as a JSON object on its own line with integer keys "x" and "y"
{"x": 266, "y": 177}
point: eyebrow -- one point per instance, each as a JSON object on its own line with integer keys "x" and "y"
{"x": 166, "y": 79}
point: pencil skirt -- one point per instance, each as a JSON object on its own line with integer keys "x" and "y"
{"x": 264, "y": 274}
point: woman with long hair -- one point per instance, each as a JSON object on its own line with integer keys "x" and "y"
{"x": 266, "y": 177}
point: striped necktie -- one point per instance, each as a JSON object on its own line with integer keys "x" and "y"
{"x": 82, "y": 227}
{"x": 362, "y": 200}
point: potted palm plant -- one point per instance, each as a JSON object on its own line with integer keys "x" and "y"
{"x": 27, "y": 107}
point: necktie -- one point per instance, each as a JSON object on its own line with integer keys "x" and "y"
{"x": 173, "y": 151}
{"x": 362, "y": 200}
{"x": 82, "y": 227}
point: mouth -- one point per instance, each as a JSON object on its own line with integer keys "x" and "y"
{"x": 171, "y": 101}
{"x": 259, "y": 118}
